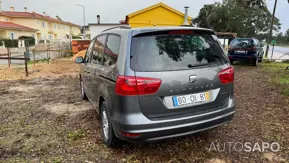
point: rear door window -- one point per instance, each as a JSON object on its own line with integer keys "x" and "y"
{"x": 112, "y": 50}
{"x": 242, "y": 43}
{"x": 175, "y": 50}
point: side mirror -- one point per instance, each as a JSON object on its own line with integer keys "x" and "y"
{"x": 79, "y": 59}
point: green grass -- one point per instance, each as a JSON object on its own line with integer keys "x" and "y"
{"x": 38, "y": 61}
{"x": 278, "y": 75}
{"x": 75, "y": 135}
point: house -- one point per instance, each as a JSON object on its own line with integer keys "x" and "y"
{"x": 12, "y": 30}
{"x": 40, "y": 26}
{"x": 96, "y": 28}
{"x": 158, "y": 15}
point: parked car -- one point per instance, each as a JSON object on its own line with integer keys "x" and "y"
{"x": 248, "y": 49}
{"x": 154, "y": 83}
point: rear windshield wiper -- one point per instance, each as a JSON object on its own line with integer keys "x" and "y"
{"x": 198, "y": 65}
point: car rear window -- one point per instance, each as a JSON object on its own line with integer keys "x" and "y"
{"x": 242, "y": 43}
{"x": 175, "y": 50}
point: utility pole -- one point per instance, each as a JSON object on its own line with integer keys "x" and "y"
{"x": 271, "y": 28}
{"x": 83, "y": 8}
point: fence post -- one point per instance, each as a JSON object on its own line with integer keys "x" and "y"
{"x": 26, "y": 67}
{"x": 33, "y": 51}
{"x": 9, "y": 55}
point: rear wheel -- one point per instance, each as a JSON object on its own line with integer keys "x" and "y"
{"x": 255, "y": 62}
{"x": 108, "y": 135}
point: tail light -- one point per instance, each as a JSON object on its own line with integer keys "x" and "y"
{"x": 132, "y": 135}
{"x": 227, "y": 75}
{"x": 130, "y": 85}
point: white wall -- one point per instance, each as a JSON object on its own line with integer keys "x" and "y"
{"x": 97, "y": 29}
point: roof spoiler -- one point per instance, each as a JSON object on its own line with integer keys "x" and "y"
{"x": 120, "y": 27}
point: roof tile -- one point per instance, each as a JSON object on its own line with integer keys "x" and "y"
{"x": 9, "y": 25}
{"x": 34, "y": 15}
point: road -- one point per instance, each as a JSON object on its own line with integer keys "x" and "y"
{"x": 278, "y": 53}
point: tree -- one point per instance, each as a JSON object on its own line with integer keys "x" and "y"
{"x": 287, "y": 35}
{"x": 202, "y": 19}
{"x": 247, "y": 18}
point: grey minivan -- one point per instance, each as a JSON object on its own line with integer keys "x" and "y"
{"x": 155, "y": 83}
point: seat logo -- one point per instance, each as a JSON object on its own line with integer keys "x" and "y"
{"x": 193, "y": 79}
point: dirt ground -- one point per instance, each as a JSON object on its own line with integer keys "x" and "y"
{"x": 43, "y": 119}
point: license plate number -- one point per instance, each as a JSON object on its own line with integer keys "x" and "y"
{"x": 194, "y": 99}
{"x": 241, "y": 51}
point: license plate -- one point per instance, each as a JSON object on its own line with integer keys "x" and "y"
{"x": 191, "y": 99}
{"x": 241, "y": 51}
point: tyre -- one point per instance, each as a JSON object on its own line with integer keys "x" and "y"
{"x": 83, "y": 94}
{"x": 108, "y": 135}
{"x": 255, "y": 62}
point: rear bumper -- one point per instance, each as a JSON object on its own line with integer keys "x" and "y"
{"x": 240, "y": 57}
{"x": 163, "y": 129}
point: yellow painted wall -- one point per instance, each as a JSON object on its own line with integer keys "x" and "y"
{"x": 2, "y": 33}
{"x": 159, "y": 16}
{"x": 4, "y": 18}
{"x": 18, "y": 33}
{"x": 74, "y": 30}
{"x": 59, "y": 31}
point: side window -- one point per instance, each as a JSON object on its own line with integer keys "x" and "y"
{"x": 97, "y": 52}
{"x": 258, "y": 43}
{"x": 111, "y": 50}
{"x": 87, "y": 58}
{"x": 255, "y": 43}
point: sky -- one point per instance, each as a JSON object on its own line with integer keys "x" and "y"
{"x": 111, "y": 11}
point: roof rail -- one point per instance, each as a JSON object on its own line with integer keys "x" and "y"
{"x": 120, "y": 27}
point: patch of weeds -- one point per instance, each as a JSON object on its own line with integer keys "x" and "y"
{"x": 285, "y": 61}
{"x": 285, "y": 91}
{"x": 278, "y": 75}
{"x": 284, "y": 80}
{"x": 38, "y": 61}
{"x": 57, "y": 160}
{"x": 75, "y": 135}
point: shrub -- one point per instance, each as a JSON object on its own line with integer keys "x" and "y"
{"x": 29, "y": 41}
{"x": 76, "y": 37}
{"x": 9, "y": 43}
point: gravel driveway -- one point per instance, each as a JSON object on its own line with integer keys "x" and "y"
{"x": 44, "y": 119}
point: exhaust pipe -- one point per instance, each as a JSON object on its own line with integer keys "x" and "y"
{"x": 186, "y": 16}
{"x": 98, "y": 19}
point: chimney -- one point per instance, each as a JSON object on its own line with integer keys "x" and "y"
{"x": 186, "y": 16}
{"x": 58, "y": 18}
{"x": 0, "y": 5}
{"x": 12, "y": 8}
{"x": 44, "y": 13}
{"x": 98, "y": 19}
{"x": 25, "y": 9}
